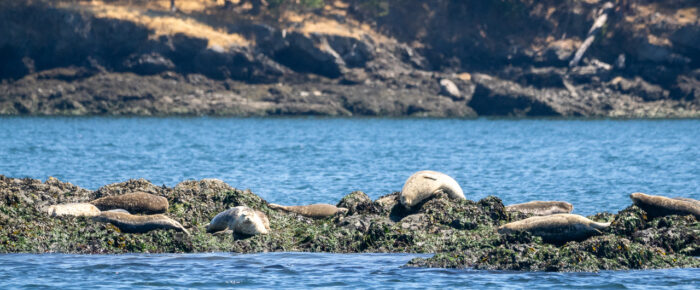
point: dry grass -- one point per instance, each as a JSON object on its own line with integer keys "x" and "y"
{"x": 166, "y": 24}
{"x": 310, "y": 23}
{"x": 156, "y": 15}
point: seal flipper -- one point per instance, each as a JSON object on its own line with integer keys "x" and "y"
{"x": 276, "y": 206}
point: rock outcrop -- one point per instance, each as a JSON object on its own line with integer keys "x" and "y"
{"x": 462, "y": 233}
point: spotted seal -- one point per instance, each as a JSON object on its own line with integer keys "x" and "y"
{"x": 136, "y": 202}
{"x": 240, "y": 219}
{"x": 656, "y": 205}
{"x": 557, "y": 228}
{"x": 129, "y": 223}
{"x": 319, "y": 210}
{"x": 73, "y": 209}
{"x": 425, "y": 184}
{"x": 542, "y": 207}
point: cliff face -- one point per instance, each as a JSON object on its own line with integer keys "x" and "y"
{"x": 382, "y": 58}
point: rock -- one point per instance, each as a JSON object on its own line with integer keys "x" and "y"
{"x": 449, "y": 89}
{"x": 494, "y": 96}
{"x": 307, "y": 54}
{"x": 132, "y": 185}
{"x": 639, "y": 87}
{"x": 687, "y": 87}
{"x": 148, "y": 63}
{"x": 361, "y": 223}
{"x": 357, "y": 202}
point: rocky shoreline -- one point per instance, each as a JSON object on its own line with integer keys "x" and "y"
{"x": 128, "y": 58}
{"x": 462, "y": 233}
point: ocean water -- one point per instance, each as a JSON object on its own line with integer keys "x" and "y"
{"x": 593, "y": 164}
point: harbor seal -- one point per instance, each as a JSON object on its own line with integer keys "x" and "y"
{"x": 118, "y": 210}
{"x": 656, "y": 205}
{"x": 240, "y": 219}
{"x": 137, "y": 202}
{"x": 542, "y": 207}
{"x": 129, "y": 223}
{"x": 425, "y": 184}
{"x": 319, "y": 210}
{"x": 695, "y": 201}
{"x": 557, "y": 228}
{"x": 73, "y": 209}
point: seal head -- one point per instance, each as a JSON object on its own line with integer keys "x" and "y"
{"x": 242, "y": 220}
{"x": 426, "y": 184}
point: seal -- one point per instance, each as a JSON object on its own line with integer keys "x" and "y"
{"x": 556, "y": 228}
{"x": 425, "y": 184}
{"x": 319, "y": 210}
{"x": 695, "y": 201}
{"x": 542, "y": 207}
{"x": 73, "y": 209}
{"x": 240, "y": 219}
{"x": 118, "y": 210}
{"x": 656, "y": 205}
{"x": 129, "y": 223}
{"x": 137, "y": 202}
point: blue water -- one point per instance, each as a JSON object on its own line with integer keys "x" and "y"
{"x": 286, "y": 270}
{"x": 594, "y": 164}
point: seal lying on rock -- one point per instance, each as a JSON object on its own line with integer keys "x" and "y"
{"x": 137, "y": 202}
{"x": 542, "y": 207}
{"x": 425, "y": 184}
{"x": 73, "y": 209}
{"x": 557, "y": 228}
{"x": 695, "y": 201}
{"x": 319, "y": 210}
{"x": 118, "y": 210}
{"x": 656, "y": 205}
{"x": 240, "y": 219}
{"x": 129, "y": 223}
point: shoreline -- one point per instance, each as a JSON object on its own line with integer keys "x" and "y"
{"x": 119, "y": 58}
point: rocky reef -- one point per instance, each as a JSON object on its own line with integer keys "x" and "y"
{"x": 462, "y": 233}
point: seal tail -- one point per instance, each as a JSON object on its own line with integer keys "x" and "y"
{"x": 600, "y": 226}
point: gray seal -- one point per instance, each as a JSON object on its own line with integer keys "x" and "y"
{"x": 240, "y": 219}
{"x": 426, "y": 184}
{"x": 319, "y": 210}
{"x": 542, "y": 207}
{"x": 129, "y": 223}
{"x": 656, "y": 205}
{"x": 556, "y": 228}
{"x": 137, "y": 202}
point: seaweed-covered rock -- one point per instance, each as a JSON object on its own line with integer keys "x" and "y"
{"x": 389, "y": 205}
{"x": 32, "y": 192}
{"x": 357, "y": 202}
{"x": 132, "y": 185}
{"x": 628, "y": 221}
{"x": 673, "y": 234}
{"x": 461, "y": 232}
{"x": 465, "y": 214}
{"x": 361, "y": 223}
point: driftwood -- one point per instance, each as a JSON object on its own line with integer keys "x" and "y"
{"x": 597, "y": 25}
